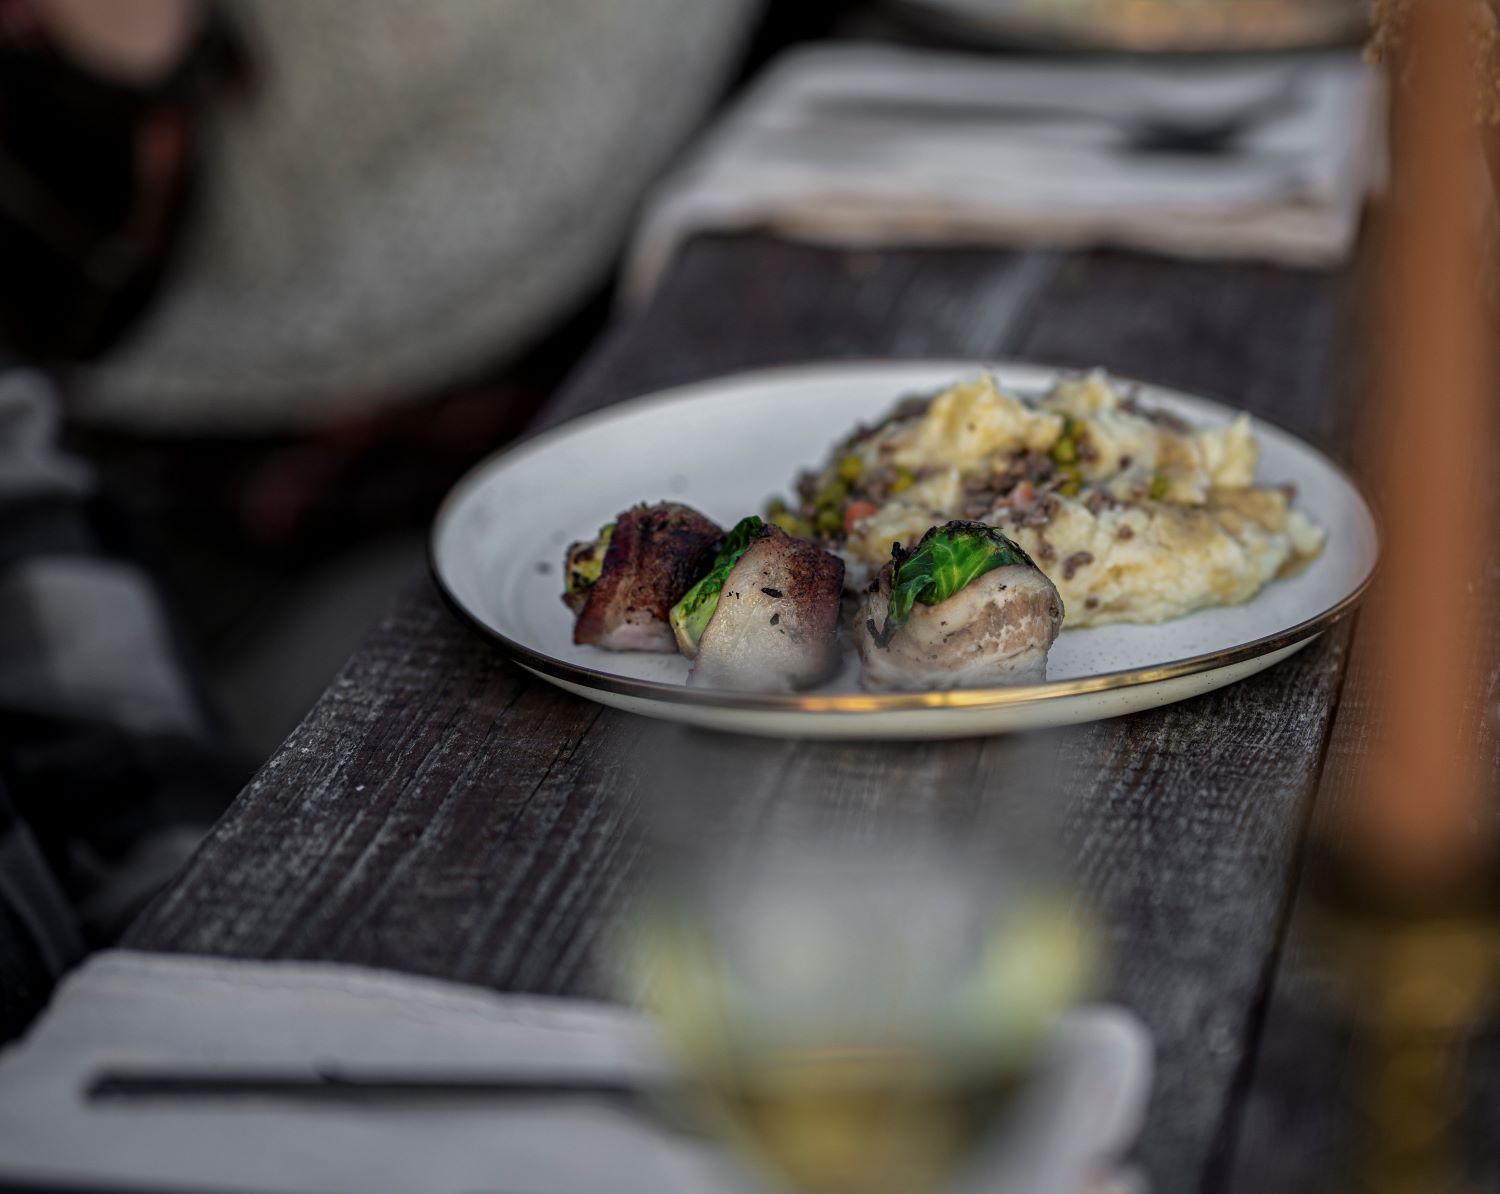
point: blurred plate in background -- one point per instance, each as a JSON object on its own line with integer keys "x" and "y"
{"x": 1144, "y": 26}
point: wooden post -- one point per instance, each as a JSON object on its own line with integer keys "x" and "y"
{"x": 1435, "y": 388}
{"x": 1414, "y": 924}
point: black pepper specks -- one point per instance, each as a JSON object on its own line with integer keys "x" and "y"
{"x": 1074, "y": 562}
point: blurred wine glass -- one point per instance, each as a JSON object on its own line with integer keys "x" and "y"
{"x": 856, "y": 999}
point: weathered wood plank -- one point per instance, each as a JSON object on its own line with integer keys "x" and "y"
{"x": 732, "y": 305}
{"x": 438, "y": 812}
{"x": 1187, "y": 829}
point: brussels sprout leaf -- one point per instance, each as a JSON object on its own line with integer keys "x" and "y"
{"x": 690, "y": 616}
{"x": 945, "y": 560}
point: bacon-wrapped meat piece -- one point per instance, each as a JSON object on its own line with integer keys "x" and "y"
{"x": 966, "y": 608}
{"x": 623, "y": 585}
{"x": 765, "y": 617}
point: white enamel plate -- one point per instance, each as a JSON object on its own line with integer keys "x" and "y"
{"x": 727, "y": 445}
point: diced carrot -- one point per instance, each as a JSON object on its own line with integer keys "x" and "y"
{"x": 854, "y": 511}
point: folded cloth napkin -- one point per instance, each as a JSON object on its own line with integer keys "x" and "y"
{"x": 851, "y": 144}
{"x": 125, "y": 1008}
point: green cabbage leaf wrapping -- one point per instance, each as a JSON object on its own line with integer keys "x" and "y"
{"x": 945, "y": 560}
{"x": 691, "y": 615}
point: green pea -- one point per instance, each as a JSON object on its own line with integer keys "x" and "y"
{"x": 850, "y": 468}
{"x": 797, "y": 527}
{"x": 831, "y": 493}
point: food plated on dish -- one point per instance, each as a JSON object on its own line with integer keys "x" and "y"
{"x": 723, "y": 445}
{"x": 967, "y": 528}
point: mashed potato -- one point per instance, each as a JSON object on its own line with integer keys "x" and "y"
{"x": 1133, "y": 515}
{"x": 1151, "y": 561}
{"x": 968, "y": 425}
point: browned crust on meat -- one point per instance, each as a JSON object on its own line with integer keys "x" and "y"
{"x": 783, "y": 597}
{"x": 655, "y": 555}
{"x": 814, "y": 580}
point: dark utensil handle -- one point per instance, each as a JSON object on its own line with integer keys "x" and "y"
{"x": 340, "y": 1086}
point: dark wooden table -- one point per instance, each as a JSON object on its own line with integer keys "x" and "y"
{"x": 441, "y": 812}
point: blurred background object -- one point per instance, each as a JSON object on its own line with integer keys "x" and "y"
{"x": 369, "y": 1081}
{"x": 100, "y": 151}
{"x": 874, "y": 1003}
{"x": 415, "y": 192}
{"x": 1175, "y": 26}
{"x": 112, "y": 764}
{"x": 1416, "y": 922}
{"x": 1481, "y": 54}
{"x": 876, "y": 146}
{"x": 298, "y": 267}
{"x": 1436, "y": 370}
{"x": 859, "y": 1017}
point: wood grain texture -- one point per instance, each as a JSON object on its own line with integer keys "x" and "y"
{"x": 441, "y": 813}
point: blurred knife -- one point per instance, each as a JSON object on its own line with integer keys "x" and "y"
{"x": 331, "y": 1084}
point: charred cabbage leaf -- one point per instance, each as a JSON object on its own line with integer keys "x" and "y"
{"x": 691, "y": 615}
{"x": 586, "y": 560}
{"x": 945, "y": 560}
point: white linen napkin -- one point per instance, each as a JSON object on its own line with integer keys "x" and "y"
{"x": 129, "y": 1008}
{"x": 866, "y": 145}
